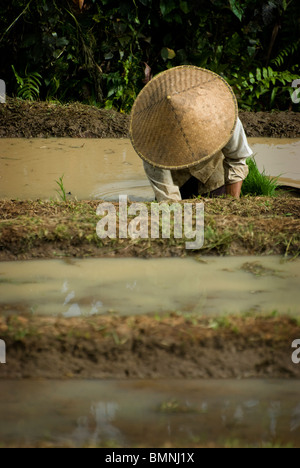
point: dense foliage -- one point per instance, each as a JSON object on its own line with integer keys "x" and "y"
{"x": 100, "y": 51}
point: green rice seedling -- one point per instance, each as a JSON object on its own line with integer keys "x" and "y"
{"x": 62, "y": 191}
{"x": 258, "y": 183}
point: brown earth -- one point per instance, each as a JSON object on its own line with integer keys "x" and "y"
{"x": 26, "y": 119}
{"x": 249, "y": 226}
{"x": 175, "y": 346}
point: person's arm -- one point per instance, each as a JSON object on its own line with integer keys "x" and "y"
{"x": 235, "y": 153}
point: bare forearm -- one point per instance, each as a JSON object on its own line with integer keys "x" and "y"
{"x": 234, "y": 189}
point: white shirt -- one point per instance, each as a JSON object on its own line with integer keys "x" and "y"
{"x": 226, "y": 167}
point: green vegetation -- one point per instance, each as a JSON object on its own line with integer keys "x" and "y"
{"x": 261, "y": 91}
{"x": 257, "y": 183}
{"x": 29, "y": 86}
{"x": 62, "y": 191}
{"x": 102, "y": 51}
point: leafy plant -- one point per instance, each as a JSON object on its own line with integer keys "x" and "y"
{"x": 285, "y": 53}
{"x": 122, "y": 87}
{"x": 61, "y": 191}
{"x": 29, "y": 86}
{"x": 238, "y": 8}
{"x": 257, "y": 183}
{"x": 95, "y": 51}
{"x": 258, "y": 90}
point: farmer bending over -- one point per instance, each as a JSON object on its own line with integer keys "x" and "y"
{"x": 185, "y": 127}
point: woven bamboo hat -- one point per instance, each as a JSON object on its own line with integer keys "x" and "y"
{"x": 182, "y": 117}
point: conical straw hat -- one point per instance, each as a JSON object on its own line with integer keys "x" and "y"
{"x": 182, "y": 117}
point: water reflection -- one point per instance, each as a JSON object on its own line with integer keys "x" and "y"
{"x": 125, "y": 286}
{"x": 295, "y": 421}
{"x": 183, "y": 413}
{"x": 98, "y": 427}
{"x": 74, "y": 309}
{"x": 274, "y": 413}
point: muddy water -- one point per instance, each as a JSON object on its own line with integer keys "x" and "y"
{"x": 126, "y": 286}
{"x": 150, "y": 413}
{"x": 105, "y": 169}
{"x": 279, "y": 157}
{"x": 93, "y": 169}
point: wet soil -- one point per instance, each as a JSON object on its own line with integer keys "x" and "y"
{"x": 249, "y": 226}
{"x": 174, "y": 346}
{"x": 26, "y": 119}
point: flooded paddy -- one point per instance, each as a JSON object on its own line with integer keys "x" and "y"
{"x": 107, "y": 168}
{"x": 168, "y": 413}
{"x": 211, "y": 286}
{"x": 188, "y": 411}
{"x": 92, "y": 169}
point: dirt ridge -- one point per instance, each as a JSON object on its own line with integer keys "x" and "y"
{"x": 174, "y": 346}
{"x": 27, "y": 119}
{"x": 249, "y": 226}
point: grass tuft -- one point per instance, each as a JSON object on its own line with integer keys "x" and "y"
{"x": 62, "y": 191}
{"x": 257, "y": 183}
